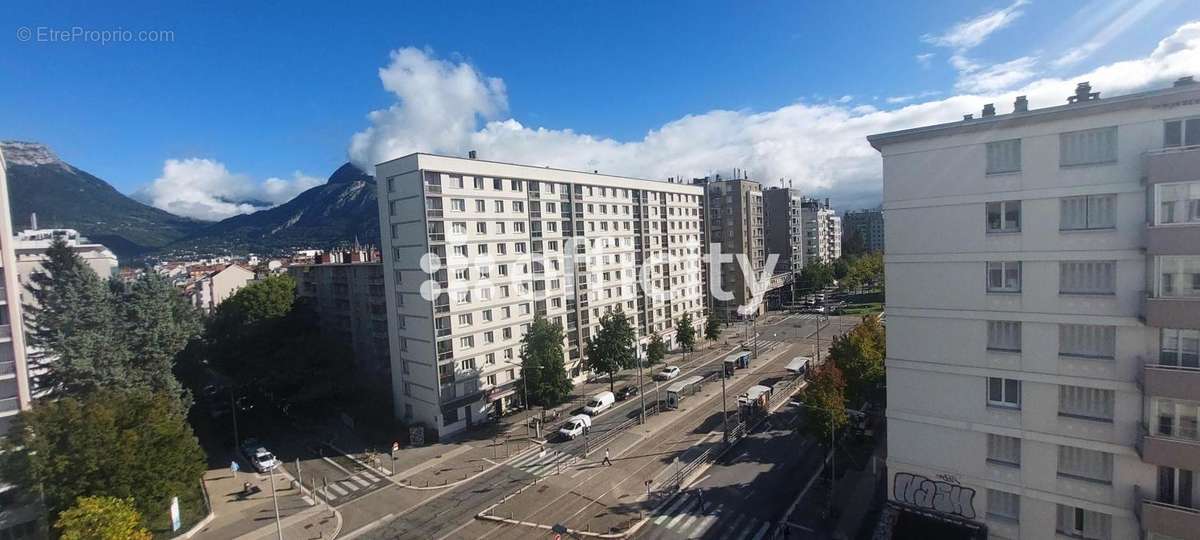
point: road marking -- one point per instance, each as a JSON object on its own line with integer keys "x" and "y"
{"x": 338, "y": 489}
{"x": 683, "y": 512}
{"x": 762, "y": 531}
{"x": 704, "y": 524}
{"x": 670, "y": 511}
{"x": 687, "y": 523}
{"x": 348, "y": 485}
{"x": 307, "y": 500}
{"x": 370, "y": 476}
{"x": 746, "y": 528}
{"x": 360, "y": 481}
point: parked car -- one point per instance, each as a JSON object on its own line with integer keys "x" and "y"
{"x": 626, "y": 393}
{"x": 599, "y": 403}
{"x": 667, "y": 373}
{"x": 258, "y": 456}
{"x": 575, "y": 426}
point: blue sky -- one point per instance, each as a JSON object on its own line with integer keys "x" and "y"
{"x": 257, "y": 91}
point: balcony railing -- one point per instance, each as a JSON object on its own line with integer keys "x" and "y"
{"x": 9, "y": 405}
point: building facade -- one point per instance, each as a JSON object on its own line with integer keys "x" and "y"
{"x": 822, "y": 229}
{"x": 1043, "y": 284}
{"x": 473, "y": 250}
{"x": 867, "y": 225}
{"x": 21, "y": 514}
{"x": 785, "y": 228}
{"x": 208, "y": 291}
{"x": 346, "y": 290}
{"x": 30, "y": 246}
{"x": 735, "y": 221}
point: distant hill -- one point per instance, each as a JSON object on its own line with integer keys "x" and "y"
{"x": 66, "y": 197}
{"x": 339, "y": 211}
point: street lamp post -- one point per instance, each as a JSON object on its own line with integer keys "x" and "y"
{"x": 641, "y": 394}
{"x": 724, "y": 407}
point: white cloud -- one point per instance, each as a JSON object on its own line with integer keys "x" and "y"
{"x": 819, "y": 145}
{"x": 1105, "y": 25}
{"x": 206, "y": 189}
{"x": 911, "y": 97}
{"x": 924, "y": 58}
{"x": 971, "y": 32}
{"x": 997, "y": 77}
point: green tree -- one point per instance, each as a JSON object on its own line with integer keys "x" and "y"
{"x": 542, "y": 368}
{"x": 156, "y": 323}
{"x": 841, "y": 267}
{"x": 860, "y": 355}
{"x": 101, "y": 518}
{"x": 614, "y": 347}
{"x": 686, "y": 333}
{"x": 712, "y": 328}
{"x": 252, "y": 305}
{"x": 132, "y": 445}
{"x": 825, "y": 401}
{"x": 816, "y": 275}
{"x": 656, "y": 350}
{"x": 72, "y": 327}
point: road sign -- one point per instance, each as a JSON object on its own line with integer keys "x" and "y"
{"x": 175, "y": 521}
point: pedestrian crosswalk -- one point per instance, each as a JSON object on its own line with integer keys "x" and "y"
{"x": 683, "y": 517}
{"x": 349, "y": 486}
{"x": 544, "y": 463}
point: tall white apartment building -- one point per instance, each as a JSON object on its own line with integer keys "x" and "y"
{"x": 495, "y": 244}
{"x": 1043, "y": 291}
{"x": 822, "y": 229}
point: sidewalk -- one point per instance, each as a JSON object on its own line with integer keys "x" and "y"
{"x": 253, "y": 517}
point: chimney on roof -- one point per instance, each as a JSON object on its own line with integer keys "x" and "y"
{"x": 1083, "y": 92}
{"x": 1021, "y": 104}
{"x": 1184, "y": 81}
{"x": 968, "y": 117}
{"x": 989, "y": 110}
{"x": 471, "y": 154}
{"x": 33, "y": 221}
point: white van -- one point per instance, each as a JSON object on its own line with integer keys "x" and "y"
{"x": 576, "y": 425}
{"x": 599, "y": 403}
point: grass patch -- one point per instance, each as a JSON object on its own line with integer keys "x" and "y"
{"x": 870, "y": 308}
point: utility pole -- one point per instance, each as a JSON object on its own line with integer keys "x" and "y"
{"x": 641, "y": 395}
{"x": 275, "y": 500}
{"x": 724, "y": 407}
{"x": 233, "y": 411}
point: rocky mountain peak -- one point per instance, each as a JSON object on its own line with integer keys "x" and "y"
{"x": 30, "y": 154}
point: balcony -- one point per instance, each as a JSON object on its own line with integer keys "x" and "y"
{"x": 1173, "y": 239}
{"x": 1166, "y": 519}
{"x": 1172, "y": 164}
{"x": 1176, "y": 312}
{"x": 1177, "y": 382}
{"x": 1169, "y": 451}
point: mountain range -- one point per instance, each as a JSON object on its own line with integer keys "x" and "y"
{"x": 342, "y": 210}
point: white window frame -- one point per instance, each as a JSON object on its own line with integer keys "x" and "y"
{"x": 1004, "y": 450}
{"x": 1086, "y": 403}
{"x": 1004, "y": 336}
{"x": 1179, "y": 347}
{"x": 999, "y": 156}
{"x": 1106, "y": 336}
{"x": 1072, "y": 462}
{"x": 1092, "y": 206}
{"x": 1185, "y": 209}
{"x": 1188, "y": 284}
{"x": 1004, "y": 267}
{"x": 1005, "y": 225}
{"x": 1009, "y": 395}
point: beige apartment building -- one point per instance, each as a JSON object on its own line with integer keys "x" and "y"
{"x": 346, "y": 290}
{"x": 30, "y": 246}
{"x": 473, "y": 250}
{"x": 208, "y": 291}
{"x": 1043, "y": 292}
{"x": 735, "y": 221}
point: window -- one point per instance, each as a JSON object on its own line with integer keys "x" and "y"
{"x": 1004, "y": 392}
{"x": 1004, "y": 276}
{"x": 1004, "y": 156}
{"x": 1084, "y": 464}
{"x": 1087, "y": 147}
{"x": 499, "y": 206}
{"x": 481, "y": 227}
{"x": 463, "y": 297}
{"x": 480, "y": 206}
{"x": 1178, "y": 203}
{"x": 1004, "y": 335}
{"x": 1178, "y": 276}
{"x": 1176, "y": 486}
{"x": 519, "y": 226}
{"x": 456, "y": 182}
{"x": 1082, "y": 523}
{"x": 1179, "y": 348}
{"x": 459, "y": 227}
{"x": 482, "y": 249}
{"x": 518, "y": 206}
{"x": 1087, "y": 277}
{"x": 500, "y": 227}
{"x": 466, "y": 342}
{"x": 506, "y": 333}
{"x": 1181, "y": 133}
{"x": 1004, "y": 216}
{"x": 1004, "y": 449}
{"x": 1176, "y": 418}
{"x": 1003, "y": 505}
{"x": 464, "y": 319}
{"x": 1087, "y": 340}
{"x": 467, "y": 365}
{"x": 458, "y": 205}
{"x": 498, "y": 184}
{"x": 491, "y": 380}
{"x": 478, "y": 181}
{"x": 487, "y": 315}
{"x": 1083, "y": 402}
{"x": 1087, "y": 212}
{"x": 489, "y": 337}
{"x": 460, "y": 251}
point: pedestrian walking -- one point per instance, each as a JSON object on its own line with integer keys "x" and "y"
{"x": 607, "y": 460}
{"x": 700, "y": 497}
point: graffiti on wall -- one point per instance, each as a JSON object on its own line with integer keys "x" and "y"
{"x": 944, "y": 497}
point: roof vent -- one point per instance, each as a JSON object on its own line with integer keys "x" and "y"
{"x": 1185, "y": 81}
{"x": 1021, "y": 104}
{"x": 989, "y": 110}
{"x": 471, "y": 154}
{"x": 968, "y": 117}
{"x": 1083, "y": 92}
